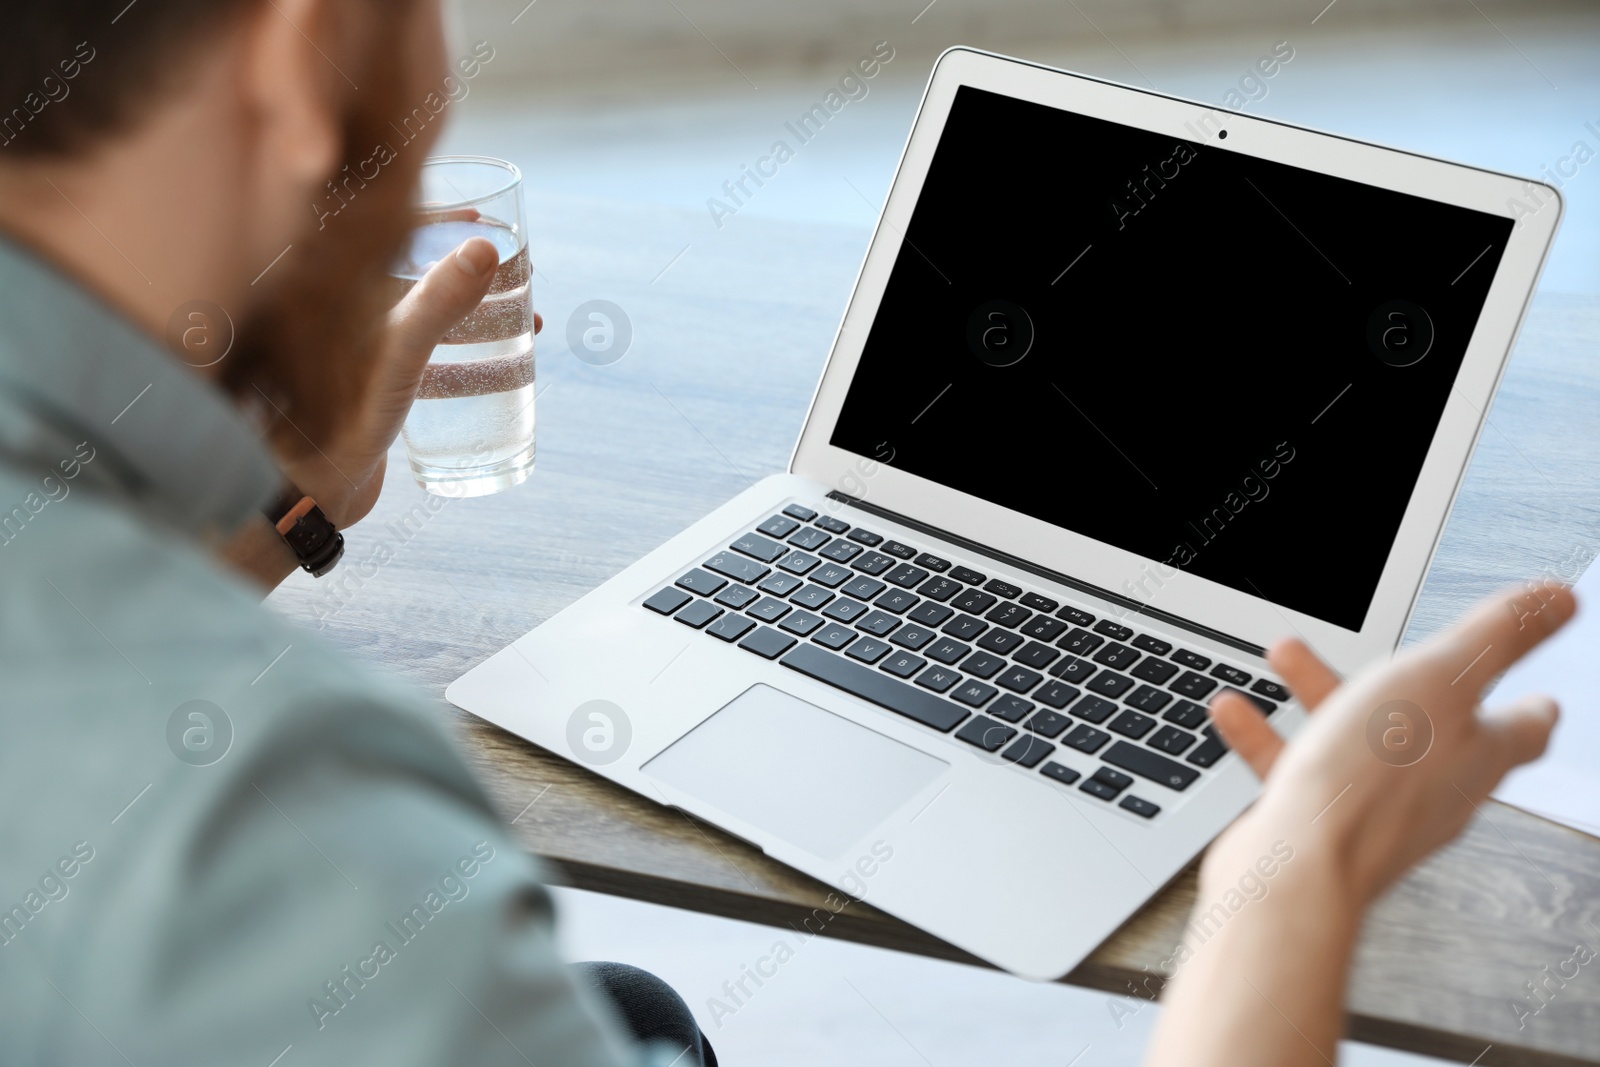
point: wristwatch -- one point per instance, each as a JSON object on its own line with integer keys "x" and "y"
{"x": 307, "y": 531}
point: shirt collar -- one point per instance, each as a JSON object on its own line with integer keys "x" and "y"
{"x": 179, "y": 448}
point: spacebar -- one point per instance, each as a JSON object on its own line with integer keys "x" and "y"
{"x": 880, "y": 689}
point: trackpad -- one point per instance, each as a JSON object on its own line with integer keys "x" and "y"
{"x": 803, "y": 774}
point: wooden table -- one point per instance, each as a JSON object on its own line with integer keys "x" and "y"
{"x": 731, "y": 331}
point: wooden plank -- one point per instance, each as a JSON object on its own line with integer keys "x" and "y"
{"x": 731, "y": 331}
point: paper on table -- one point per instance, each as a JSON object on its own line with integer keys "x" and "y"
{"x": 1563, "y": 785}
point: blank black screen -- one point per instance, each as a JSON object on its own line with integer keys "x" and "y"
{"x": 1225, "y": 365}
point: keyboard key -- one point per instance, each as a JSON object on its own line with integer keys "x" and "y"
{"x": 940, "y": 589}
{"x": 1042, "y": 627}
{"x": 1027, "y": 751}
{"x": 1119, "y": 656}
{"x": 864, "y": 588}
{"x": 1009, "y": 615}
{"x": 1098, "y": 789}
{"x": 1230, "y": 674}
{"x": 982, "y": 665}
{"x": 1059, "y": 773}
{"x": 1193, "y": 685}
{"x": 1147, "y": 698}
{"x": 1080, "y": 642}
{"x": 770, "y": 644}
{"x": 780, "y": 584}
{"x": 913, "y": 637}
{"x": 1115, "y": 779}
{"x": 866, "y": 537}
{"x": 873, "y": 563}
{"x": 999, "y": 641}
{"x": 1036, "y": 656}
{"x": 830, "y": 575}
{"x": 929, "y": 614}
{"x": 876, "y": 687}
{"x": 801, "y": 622}
{"x": 1086, "y": 739}
{"x": 1152, "y": 645}
{"x": 947, "y": 650}
{"x": 975, "y": 601}
{"x": 895, "y": 548}
{"x": 1075, "y": 616}
{"x": 1211, "y": 749}
{"x": 1151, "y": 765}
{"x": 1048, "y": 724}
{"x": 833, "y": 525}
{"x": 933, "y": 563}
{"x": 834, "y": 636}
{"x": 1139, "y": 806}
{"x": 878, "y": 623}
{"x": 968, "y": 575}
{"x": 1186, "y": 714}
{"x": 1113, "y": 630}
{"x": 1193, "y": 660}
{"x": 1154, "y": 670}
{"x": 770, "y": 609}
{"x": 1011, "y": 708}
{"x": 841, "y": 552}
{"x": 868, "y": 650}
{"x": 1110, "y": 684}
{"x": 1002, "y": 589}
{"x": 779, "y": 526}
{"x": 798, "y": 562}
{"x": 667, "y": 601}
{"x": 1074, "y": 670}
{"x": 736, "y": 596}
{"x": 812, "y": 539}
{"x": 845, "y": 610}
{"x": 906, "y": 576}
{"x": 702, "y": 582}
{"x": 812, "y": 596}
{"x": 1132, "y": 724}
{"x": 898, "y": 601}
{"x": 738, "y": 568}
{"x": 1270, "y": 689}
{"x": 795, "y": 511}
{"x": 1056, "y": 695}
{"x": 938, "y": 679}
{"x": 1019, "y": 679}
{"x": 698, "y": 614}
{"x": 986, "y": 734}
{"x": 1038, "y": 603}
{"x": 1172, "y": 741}
{"x": 758, "y": 547}
{"x": 730, "y": 627}
{"x": 965, "y": 628}
{"x": 1267, "y": 707}
{"x": 1094, "y": 709}
{"x": 974, "y": 693}
{"x": 903, "y": 664}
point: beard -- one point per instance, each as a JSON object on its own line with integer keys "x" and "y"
{"x": 303, "y": 362}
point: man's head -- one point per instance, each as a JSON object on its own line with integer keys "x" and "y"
{"x": 173, "y": 152}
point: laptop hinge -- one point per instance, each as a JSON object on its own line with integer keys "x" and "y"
{"x": 1053, "y": 576}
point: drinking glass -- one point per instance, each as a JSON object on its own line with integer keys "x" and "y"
{"x": 471, "y": 430}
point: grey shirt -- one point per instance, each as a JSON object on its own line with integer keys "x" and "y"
{"x": 204, "y": 860}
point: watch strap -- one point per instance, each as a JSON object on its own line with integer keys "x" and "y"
{"x": 310, "y": 535}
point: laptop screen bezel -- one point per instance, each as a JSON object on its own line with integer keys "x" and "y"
{"x": 1206, "y": 603}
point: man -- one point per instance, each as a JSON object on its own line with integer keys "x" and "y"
{"x": 217, "y": 851}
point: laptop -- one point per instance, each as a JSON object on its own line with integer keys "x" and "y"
{"x": 1128, "y": 389}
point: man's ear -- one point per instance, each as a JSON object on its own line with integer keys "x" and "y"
{"x": 295, "y": 93}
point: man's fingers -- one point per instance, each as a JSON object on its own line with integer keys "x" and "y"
{"x": 1246, "y": 731}
{"x": 1500, "y": 631}
{"x": 1518, "y": 734}
{"x": 445, "y": 295}
{"x": 1308, "y": 678}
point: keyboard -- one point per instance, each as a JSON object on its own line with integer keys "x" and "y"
{"x": 1011, "y": 672}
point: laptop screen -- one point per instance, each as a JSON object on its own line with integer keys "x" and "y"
{"x": 1226, "y": 365}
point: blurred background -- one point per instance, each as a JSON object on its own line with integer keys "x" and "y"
{"x": 643, "y": 109}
